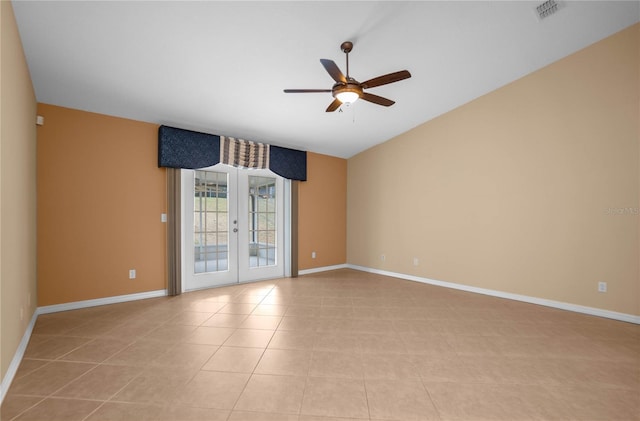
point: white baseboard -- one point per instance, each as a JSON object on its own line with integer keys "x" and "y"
{"x": 322, "y": 269}
{"x": 101, "y": 301}
{"x": 19, "y": 354}
{"x": 17, "y": 358}
{"x": 629, "y": 318}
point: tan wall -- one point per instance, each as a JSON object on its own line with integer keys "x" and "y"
{"x": 512, "y": 191}
{"x": 322, "y": 221}
{"x": 100, "y": 197}
{"x": 17, "y": 190}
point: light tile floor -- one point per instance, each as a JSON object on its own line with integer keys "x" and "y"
{"x": 341, "y": 345}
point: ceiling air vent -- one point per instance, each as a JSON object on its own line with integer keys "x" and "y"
{"x": 547, "y": 9}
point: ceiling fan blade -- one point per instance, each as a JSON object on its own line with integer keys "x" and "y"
{"x": 334, "y": 105}
{"x": 388, "y": 78}
{"x": 332, "y": 68}
{"x": 377, "y": 99}
{"x": 304, "y": 91}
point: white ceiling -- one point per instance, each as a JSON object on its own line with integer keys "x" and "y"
{"x": 220, "y": 67}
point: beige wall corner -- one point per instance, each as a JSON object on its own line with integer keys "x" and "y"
{"x": 322, "y": 221}
{"x": 17, "y": 190}
{"x": 532, "y": 189}
{"x": 100, "y": 197}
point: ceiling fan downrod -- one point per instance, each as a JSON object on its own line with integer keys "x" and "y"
{"x": 346, "y": 48}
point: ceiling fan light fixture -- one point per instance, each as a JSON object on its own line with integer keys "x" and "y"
{"x": 347, "y": 96}
{"x": 347, "y": 93}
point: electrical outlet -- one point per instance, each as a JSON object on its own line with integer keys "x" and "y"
{"x": 416, "y": 261}
{"x": 602, "y": 287}
{"x": 163, "y": 217}
{"x": 313, "y": 254}
{"x": 132, "y": 274}
{"x": 382, "y": 258}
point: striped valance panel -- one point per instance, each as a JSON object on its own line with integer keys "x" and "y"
{"x": 179, "y": 148}
{"x": 244, "y": 153}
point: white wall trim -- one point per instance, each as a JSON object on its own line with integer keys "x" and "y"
{"x": 630, "y": 318}
{"x": 322, "y": 269}
{"x": 22, "y": 347}
{"x": 17, "y": 357}
{"x": 101, "y": 301}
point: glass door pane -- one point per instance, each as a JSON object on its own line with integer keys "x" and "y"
{"x": 210, "y": 222}
{"x": 262, "y": 221}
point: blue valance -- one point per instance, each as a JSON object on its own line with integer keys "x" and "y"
{"x": 179, "y": 148}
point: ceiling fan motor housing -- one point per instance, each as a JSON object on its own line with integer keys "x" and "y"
{"x": 346, "y": 47}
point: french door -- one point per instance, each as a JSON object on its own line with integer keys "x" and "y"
{"x": 232, "y": 226}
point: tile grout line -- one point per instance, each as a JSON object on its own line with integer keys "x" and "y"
{"x": 366, "y": 395}
{"x": 306, "y": 379}
{"x": 426, "y": 389}
{"x": 252, "y": 372}
{"x": 29, "y": 408}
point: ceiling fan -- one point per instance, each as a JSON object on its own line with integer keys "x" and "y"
{"x": 347, "y": 90}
